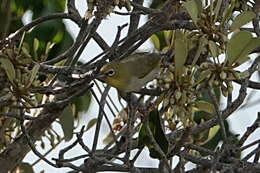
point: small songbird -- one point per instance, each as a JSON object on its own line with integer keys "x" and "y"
{"x": 133, "y": 72}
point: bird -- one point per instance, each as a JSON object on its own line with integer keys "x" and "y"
{"x": 132, "y": 73}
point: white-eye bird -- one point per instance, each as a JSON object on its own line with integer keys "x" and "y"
{"x": 133, "y": 72}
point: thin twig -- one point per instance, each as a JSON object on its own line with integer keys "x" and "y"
{"x": 17, "y": 116}
{"x": 250, "y": 130}
{"x": 71, "y": 51}
{"x": 250, "y": 145}
{"x": 199, "y": 149}
{"x": 249, "y": 155}
{"x": 100, "y": 41}
{"x": 84, "y": 156}
{"x": 34, "y": 23}
{"x": 80, "y": 141}
{"x": 48, "y": 152}
{"x": 90, "y": 31}
{"x": 137, "y": 155}
{"x": 145, "y": 9}
{"x": 257, "y": 154}
{"x": 35, "y": 151}
{"x": 220, "y": 118}
{"x": 100, "y": 116}
{"x": 109, "y": 106}
{"x": 134, "y": 18}
{"x": 127, "y": 13}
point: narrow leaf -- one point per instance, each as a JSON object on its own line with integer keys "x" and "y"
{"x": 67, "y": 122}
{"x": 242, "y": 19}
{"x": 168, "y": 36}
{"x": 205, "y": 106}
{"x": 202, "y": 42}
{"x": 82, "y": 104}
{"x": 108, "y": 138}
{"x": 203, "y": 75}
{"x": 194, "y": 8}
{"x": 241, "y": 60}
{"x": 156, "y": 41}
{"x": 212, "y": 132}
{"x": 21, "y": 42}
{"x": 49, "y": 46}
{"x": 228, "y": 12}
{"x": 155, "y": 126}
{"x": 213, "y": 48}
{"x": 26, "y": 50}
{"x": 217, "y": 9}
{"x": 25, "y": 167}
{"x": 8, "y": 66}
{"x": 36, "y": 45}
{"x": 33, "y": 74}
{"x": 181, "y": 52}
{"x": 91, "y": 123}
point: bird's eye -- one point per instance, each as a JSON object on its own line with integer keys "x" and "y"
{"x": 110, "y": 72}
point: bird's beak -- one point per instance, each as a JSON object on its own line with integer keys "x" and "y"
{"x": 101, "y": 76}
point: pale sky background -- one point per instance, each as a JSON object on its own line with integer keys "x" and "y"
{"x": 107, "y": 30}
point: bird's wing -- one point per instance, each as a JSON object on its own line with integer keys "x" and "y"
{"x": 143, "y": 66}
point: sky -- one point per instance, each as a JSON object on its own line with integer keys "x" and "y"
{"x": 107, "y": 30}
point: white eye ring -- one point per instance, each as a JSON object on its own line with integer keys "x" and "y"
{"x": 110, "y": 72}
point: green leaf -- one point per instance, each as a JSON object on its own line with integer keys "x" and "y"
{"x": 244, "y": 74}
{"x": 49, "y": 46}
{"x": 158, "y": 133}
{"x": 214, "y": 141}
{"x": 36, "y": 44}
{"x": 213, "y": 48}
{"x": 67, "y": 122}
{"x": 205, "y": 106}
{"x": 8, "y": 66}
{"x": 109, "y": 138}
{"x": 168, "y": 34}
{"x": 212, "y": 132}
{"x": 203, "y": 75}
{"x": 217, "y": 9}
{"x": 236, "y": 45}
{"x": 26, "y": 50}
{"x": 34, "y": 72}
{"x": 242, "y": 19}
{"x": 228, "y": 12}
{"x": 156, "y": 41}
{"x": 91, "y": 123}
{"x": 58, "y": 37}
{"x": 242, "y": 60}
{"x": 82, "y": 103}
{"x": 202, "y": 42}
{"x": 25, "y": 168}
{"x": 194, "y": 8}
{"x": 240, "y": 45}
{"x": 21, "y": 42}
{"x": 253, "y": 44}
{"x": 181, "y": 52}
{"x": 160, "y": 35}
{"x": 165, "y": 49}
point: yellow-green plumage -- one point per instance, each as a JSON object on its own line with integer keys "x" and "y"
{"x": 133, "y": 72}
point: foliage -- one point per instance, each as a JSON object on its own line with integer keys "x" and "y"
{"x": 203, "y": 45}
{"x": 22, "y": 81}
